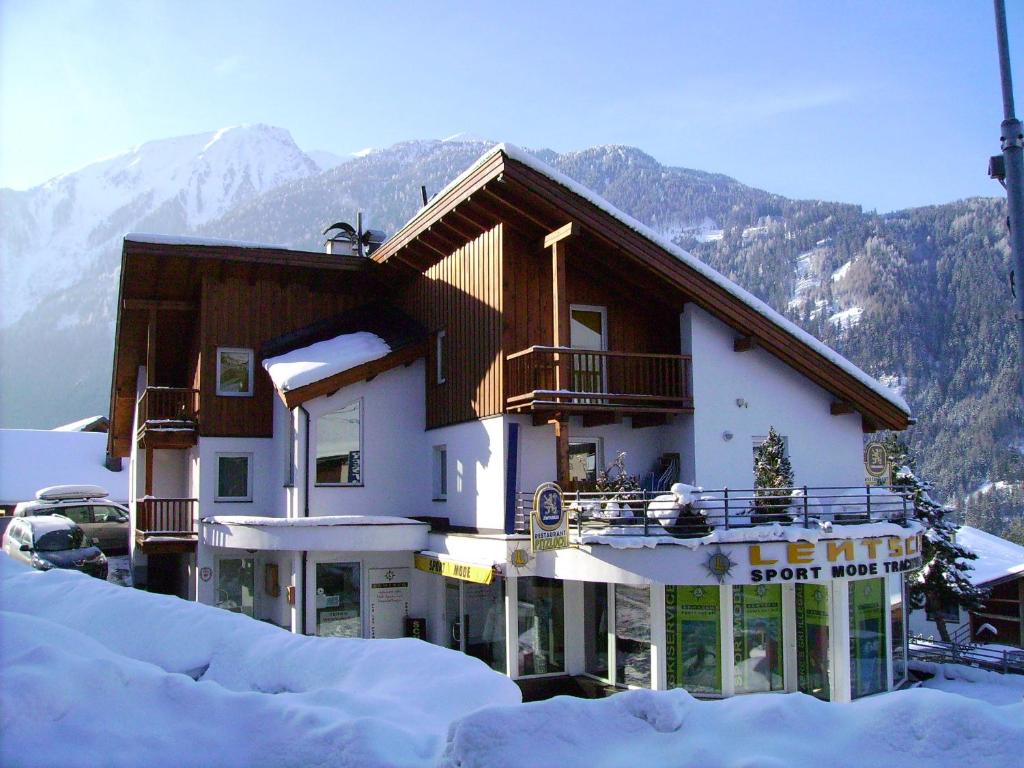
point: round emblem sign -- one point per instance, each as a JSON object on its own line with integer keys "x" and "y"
{"x": 876, "y": 462}
{"x": 548, "y": 505}
{"x": 206, "y": 573}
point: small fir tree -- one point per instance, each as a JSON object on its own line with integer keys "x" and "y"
{"x": 772, "y": 471}
{"x": 942, "y": 580}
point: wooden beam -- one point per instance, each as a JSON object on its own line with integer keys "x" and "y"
{"x": 502, "y": 202}
{"x": 151, "y": 349}
{"x": 744, "y": 344}
{"x": 562, "y": 452}
{"x": 159, "y": 304}
{"x": 641, "y": 420}
{"x": 364, "y": 372}
{"x": 560, "y": 312}
{"x": 149, "y": 471}
{"x": 601, "y": 418}
{"x": 840, "y": 408}
{"x": 570, "y": 229}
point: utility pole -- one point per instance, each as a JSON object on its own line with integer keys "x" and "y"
{"x": 1012, "y": 143}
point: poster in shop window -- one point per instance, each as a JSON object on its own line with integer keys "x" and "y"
{"x": 389, "y": 601}
{"x": 812, "y": 639}
{"x": 867, "y": 637}
{"x": 694, "y": 638}
{"x": 757, "y": 638}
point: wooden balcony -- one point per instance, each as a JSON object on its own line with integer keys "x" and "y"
{"x": 168, "y": 417}
{"x": 165, "y": 525}
{"x": 602, "y": 382}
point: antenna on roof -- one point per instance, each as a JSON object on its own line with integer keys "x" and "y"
{"x": 423, "y": 194}
{"x": 347, "y": 240}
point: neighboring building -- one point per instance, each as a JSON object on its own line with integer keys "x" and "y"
{"x": 999, "y": 570}
{"x": 340, "y": 444}
{"x": 90, "y": 424}
{"x": 31, "y": 459}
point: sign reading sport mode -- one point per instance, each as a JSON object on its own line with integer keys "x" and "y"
{"x": 549, "y": 524}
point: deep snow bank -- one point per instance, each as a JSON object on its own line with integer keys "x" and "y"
{"x": 92, "y": 673}
{"x": 640, "y": 728}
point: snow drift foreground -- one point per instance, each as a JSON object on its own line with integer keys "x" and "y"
{"x": 643, "y": 728}
{"x": 96, "y": 674}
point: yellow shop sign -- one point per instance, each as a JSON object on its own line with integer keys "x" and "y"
{"x": 478, "y": 574}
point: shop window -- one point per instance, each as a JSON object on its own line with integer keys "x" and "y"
{"x": 439, "y": 356}
{"x": 757, "y": 638}
{"x": 867, "y": 637}
{"x": 633, "y": 636}
{"x": 541, "y": 626}
{"x": 898, "y": 628}
{"x": 948, "y": 610}
{"x": 584, "y": 461}
{"x": 440, "y": 472}
{"x": 338, "y": 600}
{"x": 693, "y": 638}
{"x": 475, "y": 620}
{"x": 339, "y": 438}
{"x": 812, "y": 640}
{"x": 236, "y": 585}
{"x": 234, "y": 372}
{"x": 234, "y": 478}
{"x": 595, "y": 628}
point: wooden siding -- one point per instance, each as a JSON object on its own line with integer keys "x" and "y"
{"x": 635, "y": 322}
{"x": 461, "y": 295}
{"x": 237, "y": 312}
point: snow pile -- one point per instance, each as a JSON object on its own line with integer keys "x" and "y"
{"x": 36, "y": 458}
{"x": 908, "y": 728}
{"x": 997, "y": 557}
{"x": 324, "y": 359}
{"x": 96, "y": 674}
{"x": 974, "y": 683}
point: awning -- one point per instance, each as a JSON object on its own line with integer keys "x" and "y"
{"x": 332, "y": 533}
{"x": 443, "y": 565}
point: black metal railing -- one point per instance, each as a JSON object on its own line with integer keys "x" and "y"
{"x": 1003, "y": 660}
{"x": 700, "y": 511}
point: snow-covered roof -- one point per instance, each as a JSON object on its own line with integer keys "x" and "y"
{"x": 997, "y": 557}
{"x": 82, "y": 424}
{"x": 522, "y": 156}
{"x": 31, "y": 459}
{"x": 158, "y": 239}
{"x": 309, "y": 522}
{"x": 324, "y": 359}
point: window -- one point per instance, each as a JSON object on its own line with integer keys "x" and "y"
{"x": 234, "y": 372}
{"x": 867, "y": 637}
{"x": 757, "y": 637}
{"x": 289, "y": 451}
{"x": 948, "y": 610}
{"x": 440, "y": 472}
{"x": 77, "y": 514}
{"x": 898, "y": 627}
{"x": 633, "y": 635}
{"x": 584, "y": 460}
{"x": 541, "y": 626}
{"x": 236, "y": 590}
{"x": 475, "y": 620}
{"x": 234, "y": 480}
{"x": 439, "y": 356}
{"x": 339, "y": 438}
{"x": 812, "y": 640}
{"x": 693, "y": 638}
{"x": 338, "y": 600}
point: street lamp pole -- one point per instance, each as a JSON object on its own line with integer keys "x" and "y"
{"x": 1012, "y": 143}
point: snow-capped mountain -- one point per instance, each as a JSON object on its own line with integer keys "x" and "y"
{"x": 70, "y": 226}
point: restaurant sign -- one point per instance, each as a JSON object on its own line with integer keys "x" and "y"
{"x": 453, "y": 569}
{"x": 549, "y": 523}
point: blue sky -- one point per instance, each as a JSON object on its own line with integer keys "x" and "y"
{"x": 886, "y": 104}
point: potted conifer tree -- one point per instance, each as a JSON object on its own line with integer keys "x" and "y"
{"x": 773, "y": 481}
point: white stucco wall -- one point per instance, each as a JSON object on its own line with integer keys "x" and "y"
{"x": 825, "y": 450}
{"x": 267, "y": 494}
{"x": 476, "y": 472}
{"x": 171, "y": 474}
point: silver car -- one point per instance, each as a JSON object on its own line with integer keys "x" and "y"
{"x": 53, "y": 541}
{"x": 103, "y": 521}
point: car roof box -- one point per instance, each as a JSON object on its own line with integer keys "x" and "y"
{"x": 68, "y": 492}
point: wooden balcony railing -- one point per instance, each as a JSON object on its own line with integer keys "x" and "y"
{"x": 166, "y": 517}
{"x": 168, "y": 405}
{"x": 628, "y": 381}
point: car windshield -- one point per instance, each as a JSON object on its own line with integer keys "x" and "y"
{"x": 55, "y": 541}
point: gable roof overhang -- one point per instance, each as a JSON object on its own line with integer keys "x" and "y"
{"x": 510, "y": 186}
{"x": 165, "y": 275}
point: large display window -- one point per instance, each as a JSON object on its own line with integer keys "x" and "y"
{"x": 338, "y": 600}
{"x": 541, "y": 626}
{"x": 236, "y": 584}
{"x": 867, "y": 637}
{"x": 475, "y": 619}
{"x": 812, "y": 640}
{"x": 693, "y": 638}
{"x": 898, "y": 628}
{"x": 633, "y": 636}
{"x": 757, "y": 638}
{"x": 595, "y": 629}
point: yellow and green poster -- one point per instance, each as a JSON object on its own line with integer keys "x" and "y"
{"x": 757, "y": 637}
{"x": 867, "y": 637}
{"x": 694, "y": 638}
{"x": 812, "y": 639}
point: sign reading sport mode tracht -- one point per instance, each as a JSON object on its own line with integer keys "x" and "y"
{"x": 549, "y": 524}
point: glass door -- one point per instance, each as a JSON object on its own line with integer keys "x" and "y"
{"x": 338, "y": 600}
{"x": 588, "y": 331}
{"x": 475, "y": 620}
{"x": 236, "y": 585}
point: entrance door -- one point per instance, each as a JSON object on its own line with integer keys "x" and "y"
{"x": 236, "y": 584}
{"x": 588, "y": 330}
{"x": 337, "y": 600}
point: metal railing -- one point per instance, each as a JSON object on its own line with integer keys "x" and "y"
{"x": 645, "y": 513}
{"x": 994, "y": 659}
{"x": 166, "y": 517}
{"x": 598, "y": 379}
{"x": 168, "y": 406}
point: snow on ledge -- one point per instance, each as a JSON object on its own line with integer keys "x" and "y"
{"x": 619, "y": 537}
{"x": 157, "y": 239}
{"x": 309, "y": 522}
{"x": 522, "y": 156}
{"x": 324, "y": 359}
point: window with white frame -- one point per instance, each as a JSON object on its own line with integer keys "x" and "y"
{"x": 439, "y": 356}
{"x": 234, "y": 477}
{"x": 339, "y": 441}
{"x": 440, "y": 472}
{"x": 234, "y": 372}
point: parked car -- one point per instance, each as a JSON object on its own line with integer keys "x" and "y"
{"x": 87, "y": 505}
{"x": 53, "y": 541}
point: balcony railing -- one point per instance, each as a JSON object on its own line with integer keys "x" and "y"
{"x": 646, "y": 513}
{"x": 165, "y": 517}
{"x": 168, "y": 407}
{"x": 631, "y": 381}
